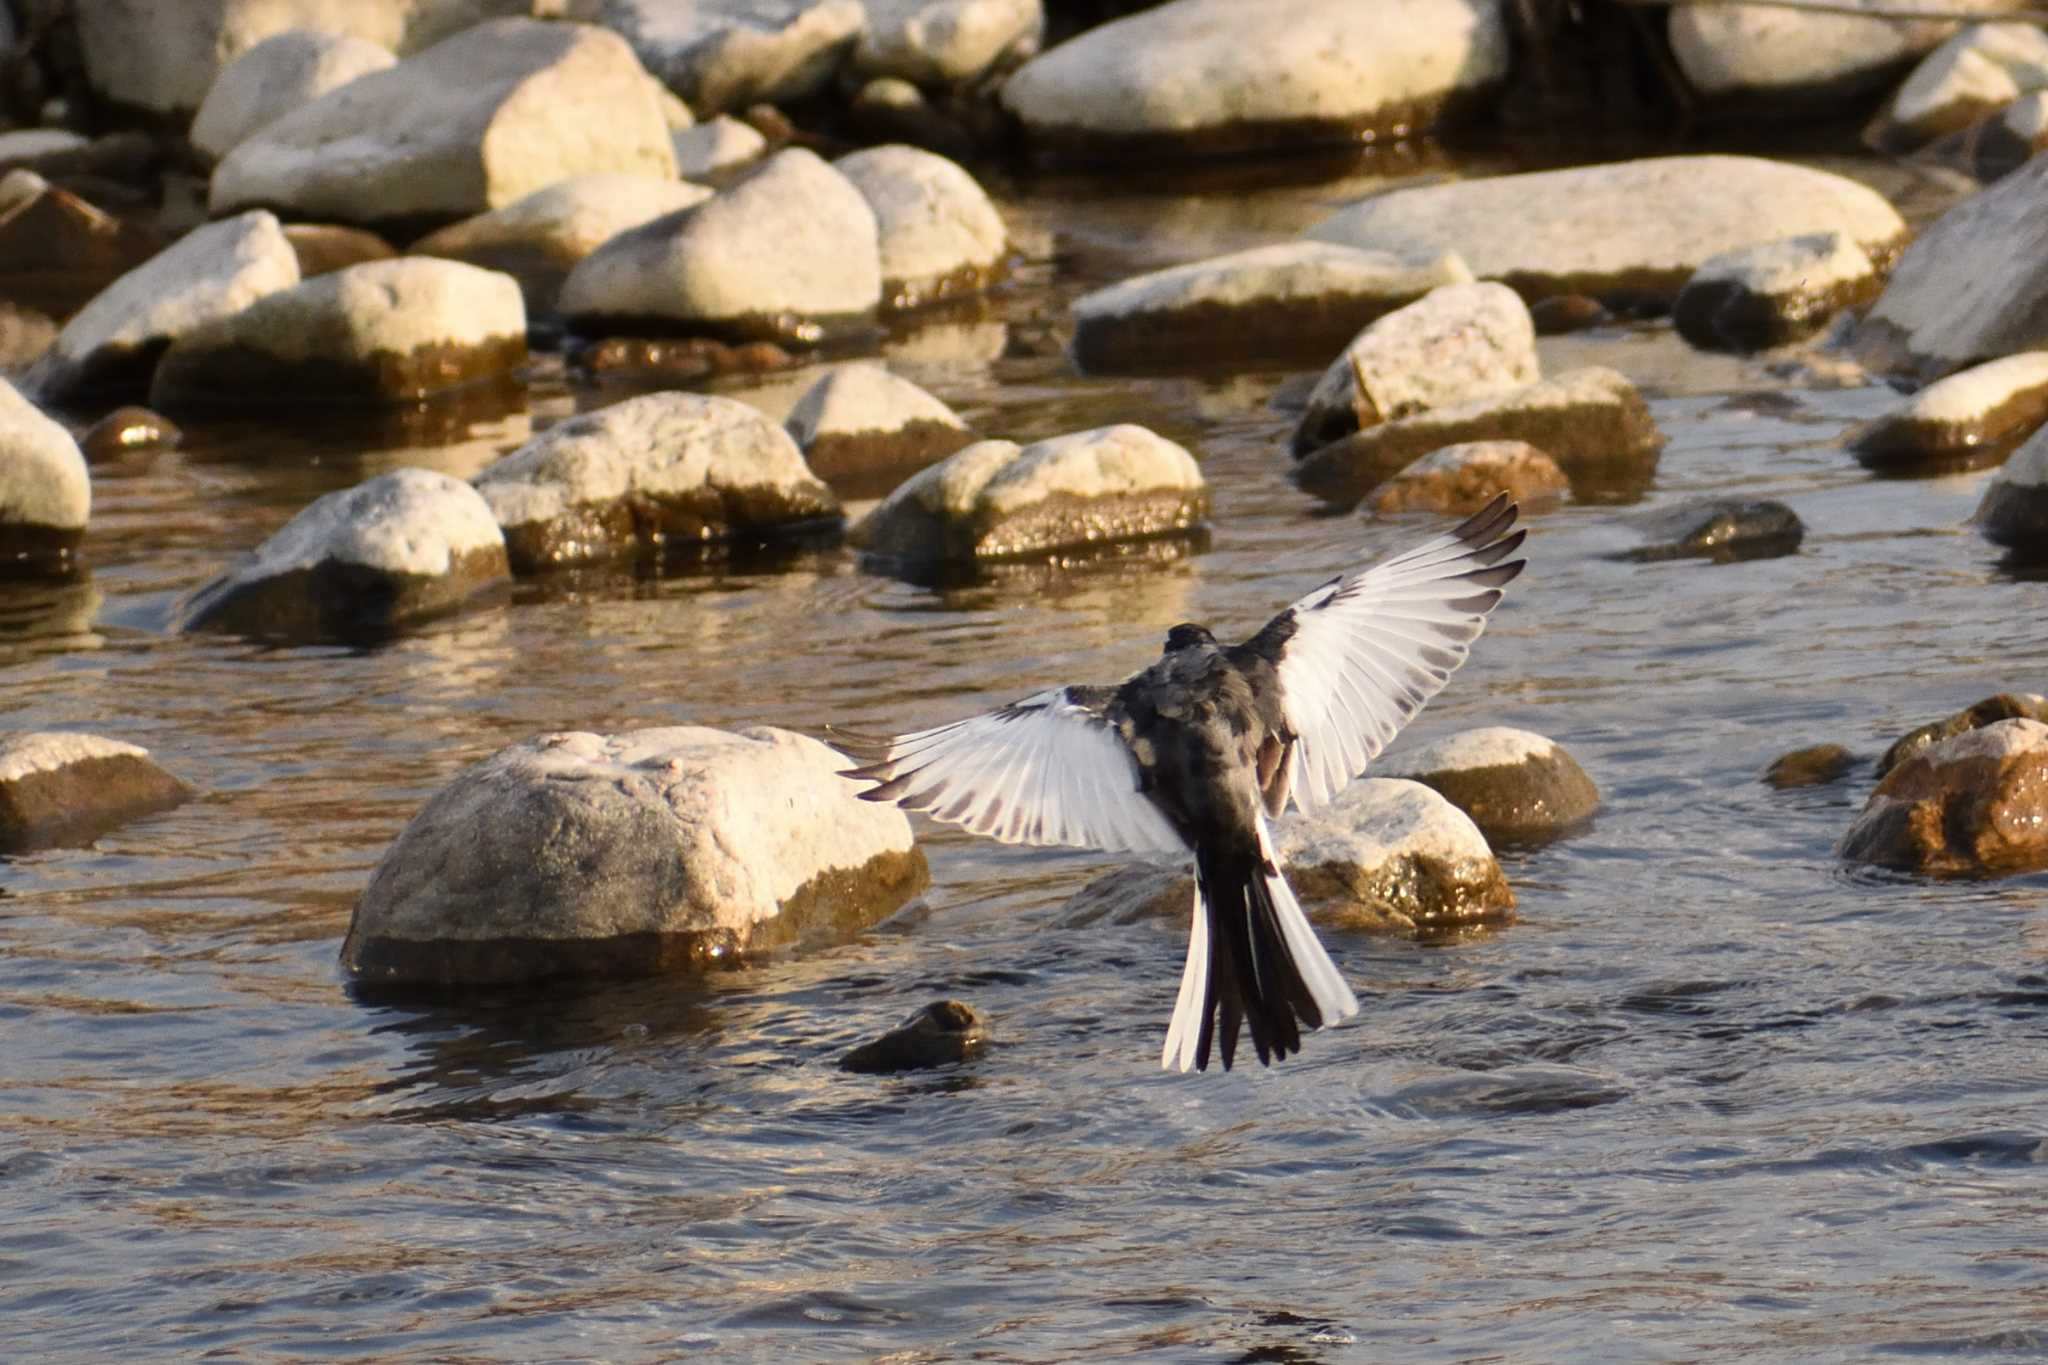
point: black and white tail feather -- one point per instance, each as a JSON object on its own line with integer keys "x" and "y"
{"x": 1351, "y": 662}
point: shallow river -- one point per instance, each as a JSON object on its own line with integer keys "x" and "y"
{"x": 1713, "y": 1096}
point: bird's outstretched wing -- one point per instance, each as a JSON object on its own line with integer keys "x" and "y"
{"x": 1359, "y": 656}
{"x": 1049, "y": 769}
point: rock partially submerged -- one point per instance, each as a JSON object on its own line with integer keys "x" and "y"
{"x": 61, "y": 788}
{"x": 943, "y": 1033}
{"x": 1974, "y": 805}
{"x": 1968, "y": 420}
{"x": 1814, "y": 766}
{"x": 2014, "y": 512}
{"x": 128, "y": 431}
{"x": 1724, "y": 530}
{"x": 1516, "y": 786}
{"x": 1989, "y": 711}
{"x": 45, "y": 492}
{"x": 939, "y": 236}
{"x": 1462, "y": 479}
{"x": 636, "y": 854}
{"x": 1773, "y": 293}
{"x": 861, "y": 425}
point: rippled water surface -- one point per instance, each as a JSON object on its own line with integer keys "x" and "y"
{"x": 1712, "y": 1097}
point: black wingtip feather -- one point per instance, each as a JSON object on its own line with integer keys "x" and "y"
{"x": 1489, "y": 521}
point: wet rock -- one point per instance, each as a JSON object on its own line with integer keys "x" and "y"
{"x": 1456, "y": 344}
{"x": 126, "y": 431}
{"x": 360, "y": 564}
{"x": 1991, "y": 710}
{"x": 471, "y": 124}
{"x": 2014, "y": 512}
{"x": 1591, "y": 421}
{"x": 714, "y": 147}
{"x": 636, "y": 854}
{"x": 57, "y": 251}
{"x": 861, "y": 425}
{"x": 1769, "y": 58}
{"x": 1775, "y": 293}
{"x": 1463, "y": 478}
{"x": 1388, "y": 856}
{"x": 1816, "y": 766}
{"x": 1515, "y": 785}
{"x": 59, "y": 788}
{"x": 1974, "y": 414}
{"x": 1974, "y": 805}
{"x": 1944, "y": 307}
{"x": 659, "y": 472}
{"x": 939, "y": 235}
{"x": 2020, "y": 132}
{"x": 324, "y": 248}
{"x": 1287, "y": 300}
{"x": 1725, "y": 530}
{"x": 25, "y": 147}
{"x": 1182, "y": 80}
{"x": 941, "y": 43}
{"x": 788, "y": 254}
{"x": 663, "y": 362}
{"x": 995, "y": 500}
{"x": 721, "y": 55}
{"x": 1561, "y": 314}
{"x": 113, "y": 344}
{"x": 1634, "y": 230}
{"x": 943, "y": 1033}
{"x": 45, "y": 492}
{"x": 380, "y": 333}
{"x": 276, "y": 76}
{"x": 1970, "y": 77}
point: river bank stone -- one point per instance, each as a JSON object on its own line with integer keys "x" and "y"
{"x": 1591, "y": 421}
{"x": 861, "y": 426}
{"x": 1517, "y": 786}
{"x": 1969, "y": 78}
{"x": 1991, "y": 710}
{"x": 473, "y": 123}
{"x": 381, "y": 333}
{"x": 1292, "y": 299}
{"x": 940, "y": 44}
{"x": 938, "y": 234}
{"x": 635, "y": 854}
{"x": 722, "y": 55}
{"x": 60, "y": 788}
{"x": 716, "y": 146}
{"x": 57, "y": 251}
{"x": 1629, "y": 233}
{"x": 323, "y": 248}
{"x": 1775, "y": 293}
{"x": 1462, "y": 479}
{"x": 1814, "y": 766}
{"x": 276, "y": 76}
{"x": 128, "y": 431}
{"x": 1456, "y": 344}
{"x": 1973, "y": 805}
{"x": 789, "y": 254}
{"x": 1767, "y": 59}
{"x": 1969, "y": 418}
{"x": 1189, "y": 78}
{"x": 943, "y": 1033}
{"x": 1724, "y": 530}
{"x": 2014, "y": 511}
{"x": 360, "y": 564}
{"x": 657, "y": 473}
{"x": 45, "y": 492}
{"x": 114, "y": 343}
{"x": 996, "y": 500}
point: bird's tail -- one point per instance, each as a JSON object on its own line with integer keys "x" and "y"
{"x": 1253, "y": 960}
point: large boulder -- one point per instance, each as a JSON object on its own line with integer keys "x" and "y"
{"x": 659, "y": 473}
{"x": 788, "y": 254}
{"x": 360, "y": 564}
{"x": 112, "y": 345}
{"x": 471, "y": 124}
{"x": 1974, "y": 805}
{"x": 2014, "y": 512}
{"x": 1517, "y": 786}
{"x": 276, "y": 76}
{"x": 45, "y": 491}
{"x": 1204, "y": 77}
{"x": 861, "y": 426}
{"x": 942, "y": 43}
{"x": 1971, "y": 418}
{"x": 380, "y": 333}
{"x": 58, "y": 787}
{"x": 938, "y": 234}
{"x": 652, "y": 851}
{"x": 1634, "y": 231}
{"x": 727, "y": 54}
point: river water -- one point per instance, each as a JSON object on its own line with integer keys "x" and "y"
{"x": 1713, "y": 1097}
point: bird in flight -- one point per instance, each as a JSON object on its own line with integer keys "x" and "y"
{"x": 1196, "y": 754}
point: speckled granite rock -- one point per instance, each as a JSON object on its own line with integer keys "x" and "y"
{"x": 861, "y": 426}
{"x": 1989, "y": 711}
{"x": 1517, "y": 786}
{"x": 636, "y": 854}
{"x": 1724, "y": 530}
{"x": 1773, "y": 293}
{"x": 2014, "y": 512}
{"x": 45, "y": 491}
{"x": 1461, "y": 479}
{"x": 1973, "y": 415}
{"x": 276, "y": 76}
{"x": 943, "y": 1033}
{"x": 1974, "y": 805}
{"x": 939, "y": 235}
{"x": 63, "y": 788}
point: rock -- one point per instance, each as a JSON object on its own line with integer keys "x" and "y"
{"x": 1632, "y": 230}
{"x": 1561, "y": 314}
{"x": 1193, "y": 78}
{"x": 1943, "y": 307}
{"x": 943, "y": 1033}
{"x": 659, "y": 472}
{"x": 943, "y": 43}
{"x": 652, "y": 851}
{"x": 25, "y": 333}
{"x": 1778, "y": 292}
{"x": 1991, "y": 710}
{"x": 1591, "y": 421}
{"x": 276, "y": 76}
{"x": 380, "y": 333}
{"x": 25, "y": 147}
{"x": 727, "y": 54}
{"x": 1516, "y": 786}
{"x": 472, "y": 124}
{"x": 1458, "y": 343}
{"x": 1974, "y": 805}
{"x": 127, "y": 430}
{"x": 1290, "y": 300}
{"x": 59, "y": 788}
{"x": 788, "y": 254}
{"x": 710, "y": 149}
{"x": 1971, "y": 418}
{"x": 1767, "y": 57}
{"x": 1461, "y": 479}
{"x": 323, "y": 248}
{"x": 2020, "y": 132}
{"x": 996, "y": 500}
{"x": 2014, "y": 512}
{"x": 1969, "y": 78}
{"x": 658, "y": 362}
{"x": 360, "y": 564}
{"x": 939, "y": 235}
{"x": 57, "y": 251}
{"x": 45, "y": 492}
{"x": 1812, "y": 767}
{"x": 1725, "y": 530}
{"x": 1387, "y": 856}
{"x": 113, "y": 344}
{"x": 860, "y": 423}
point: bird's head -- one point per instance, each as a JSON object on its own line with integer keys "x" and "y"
{"x": 1188, "y": 635}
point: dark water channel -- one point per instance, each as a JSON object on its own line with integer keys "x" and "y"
{"x": 1713, "y": 1097}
